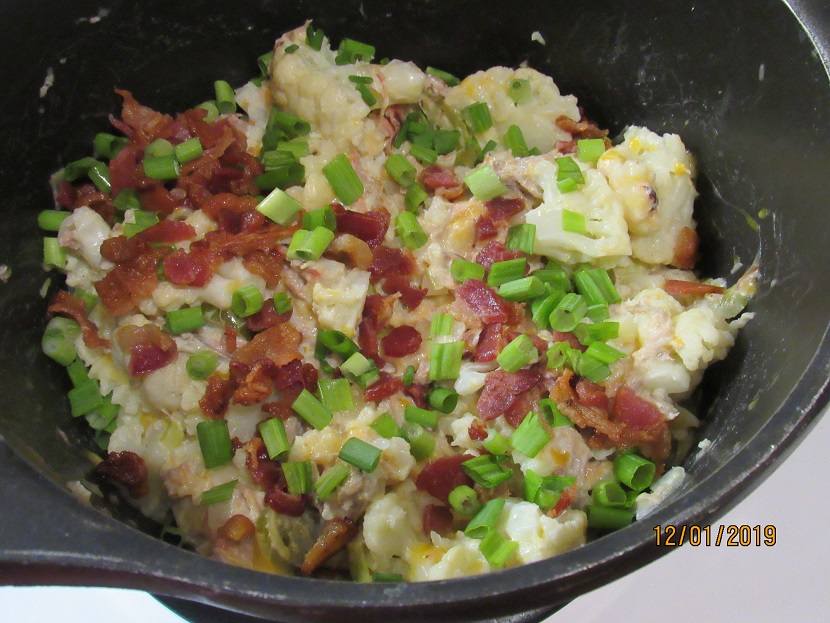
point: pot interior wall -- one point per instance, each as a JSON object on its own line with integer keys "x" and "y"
{"x": 753, "y": 108}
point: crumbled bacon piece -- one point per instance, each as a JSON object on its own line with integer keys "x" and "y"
{"x": 267, "y": 264}
{"x": 66, "y": 304}
{"x": 388, "y": 385}
{"x": 401, "y": 341}
{"x": 124, "y": 169}
{"x": 125, "y": 468}
{"x": 194, "y": 268}
{"x": 498, "y": 213}
{"x": 491, "y": 341}
{"x": 150, "y": 348}
{"x": 411, "y": 296}
{"x": 503, "y": 389}
{"x": 217, "y": 396}
{"x": 487, "y": 305}
{"x": 265, "y": 472}
{"x": 388, "y": 262}
{"x": 495, "y": 251}
{"x": 279, "y": 344}
{"x": 570, "y": 338}
{"x": 167, "y": 232}
{"x": 418, "y": 393}
{"x": 293, "y": 377}
{"x": 237, "y": 527}
{"x": 442, "y": 181}
{"x": 676, "y": 287}
{"x": 285, "y": 503}
{"x": 477, "y": 430}
{"x": 634, "y": 411}
{"x": 335, "y": 536}
{"x": 266, "y": 317}
{"x": 685, "y": 249}
{"x": 580, "y": 129}
{"x": 376, "y": 313}
{"x": 437, "y": 519}
{"x": 566, "y": 498}
{"x": 370, "y": 227}
{"x": 132, "y": 281}
{"x": 591, "y": 394}
{"x": 146, "y": 124}
{"x": 440, "y": 476}
{"x": 158, "y": 199}
{"x": 256, "y": 386}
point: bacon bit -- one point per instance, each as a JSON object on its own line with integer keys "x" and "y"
{"x": 517, "y": 412}
{"x": 570, "y": 338}
{"x": 418, "y": 393}
{"x": 89, "y": 195}
{"x": 503, "y": 389}
{"x": 66, "y": 304}
{"x": 266, "y": 317}
{"x": 485, "y": 228}
{"x": 265, "y": 472}
{"x": 440, "y": 476}
{"x": 634, "y": 411}
{"x": 496, "y": 252}
{"x": 150, "y": 348}
{"x": 267, "y": 265}
{"x": 231, "y": 205}
{"x": 66, "y": 194}
{"x": 376, "y": 313}
{"x": 580, "y": 129}
{"x": 538, "y": 343}
{"x": 370, "y": 227}
{"x": 441, "y": 181}
{"x": 437, "y": 519}
{"x": 566, "y": 147}
{"x": 217, "y": 396}
{"x": 491, "y": 341}
{"x": 238, "y": 245}
{"x": 194, "y": 268}
{"x": 146, "y": 123}
{"x": 279, "y": 344}
{"x": 125, "y": 468}
{"x": 293, "y": 378}
{"x": 236, "y": 528}
{"x": 132, "y": 281}
{"x": 285, "y": 503}
{"x": 591, "y": 394}
{"x": 358, "y": 252}
{"x": 335, "y": 536}
{"x": 278, "y": 409}
{"x": 231, "y": 338}
{"x": 387, "y": 262}
{"x": 487, "y": 305}
{"x": 158, "y": 199}
{"x": 685, "y": 249}
{"x": 123, "y": 169}
{"x": 209, "y": 133}
{"x": 167, "y": 232}
{"x": 564, "y": 501}
{"x": 676, "y": 287}
{"x": 387, "y": 386}
{"x": 401, "y": 341}
{"x": 477, "y": 430}
{"x": 256, "y": 385}
{"x": 411, "y": 296}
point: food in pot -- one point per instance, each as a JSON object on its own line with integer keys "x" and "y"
{"x": 366, "y": 320}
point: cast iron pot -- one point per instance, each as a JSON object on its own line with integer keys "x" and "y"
{"x": 743, "y": 82}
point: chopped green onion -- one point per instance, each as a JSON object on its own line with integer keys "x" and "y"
{"x": 508, "y": 270}
{"x": 519, "y": 90}
{"x": 282, "y": 302}
{"x": 58, "y": 342}
{"x": 443, "y": 400}
{"x": 225, "y": 101}
{"x": 424, "y": 417}
{"x": 604, "y": 353}
{"x": 574, "y": 222}
{"x": 264, "y": 61}
{"x": 545, "y": 492}
{"x": 311, "y": 410}
{"x": 477, "y": 117}
{"x": 159, "y": 147}
{"x": 362, "y": 455}
{"x": 496, "y": 550}
{"x": 141, "y": 221}
{"x": 107, "y": 146}
{"x": 126, "y": 199}
{"x": 333, "y": 477}
{"x": 568, "y": 174}
{"x": 486, "y": 470}
{"x": 366, "y": 94}
{"x": 570, "y": 310}
{"x": 291, "y": 125}
{"x": 297, "y": 477}
{"x": 343, "y": 179}
{"x": 104, "y": 418}
{"x": 597, "y": 313}
{"x": 321, "y": 217}
{"x": 309, "y": 245}
{"x": 553, "y": 416}
{"x": 295, "y": 147}
{"x": 386, "y": 426}
{"x": 283, "y": 176}
{"x": 608, "y": 518}
{"x": 514, "y": 140}
{"x": 448, "y": 78}
{"x": 161, "y": 167}
{"x": 189, "y": 150}
{"x": 485, "y": 520}
{"x": 211, "y": 109}
{"x": 603, "y": 281}
{"x": 484, "y": 183}
{"x": 445, "y": 141}
{"x": 214, "y": 442}
{"x": 445, "y": 361}
{"x": 634, "y": 471}
{"x": 541, "y": 308}
{"x": 361, "y": 79}
{"x": 351, "y": 51}
{"x": 558, "y": 355}
{"x": 521, "y": 237}
{"x": 530, "y": 437}
{"x": 517, "y": 354}
{"x": 387, "y": 577}
{"x": 274, "y": 437}
{"x": 279, "y": 207}
{"x": 462, "y": 269}
{"x": 336, "y": 394}
{"x": 426, "y": 155}
{"x": 587, "y": 334}
{"x": 586, "y": 286}
{"x": 556, "y": 276}
{"x": 590, "y": 368}
{"x": 524, "y": 289}
{"x": 50, "y": 220}
{"x": 464, "y": 500}
{"x": 78, "y": 168}
{"x": 246, "y": 301}
{"x": 361, "y": 370}
{"x": 184, "y": 320}
{"x": 85, "y": 397}
{"x": 400, "y": 170}
{"x": 78, "y": 373}
{"x": 590, "y": 149}
{"x": 420, "y": 440}
{"x": 609, "y": 493}
{"x": 410, "y": 231}
{"x": 99, "y": 174}
{"x": 415, "y": 196}
{"x": 219, "y": 493}
{"x": 338, "y": 343}
{"x": 441, "y": 325}
{"x": 496, "y": 444}
{"x": 202, "y": 364}
{"x": 314, "y": 38}
{"x": 409, "y": 376}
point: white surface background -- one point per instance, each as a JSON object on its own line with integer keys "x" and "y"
{"x": 722, "y": 584}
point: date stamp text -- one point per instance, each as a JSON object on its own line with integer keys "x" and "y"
{"x": 722, "y": 535}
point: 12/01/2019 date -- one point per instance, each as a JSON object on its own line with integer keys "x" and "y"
{"x": 728, "y": 535}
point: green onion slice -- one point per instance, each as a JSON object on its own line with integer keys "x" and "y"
{"x": 484, "y": 183}
{"x": 202, "y": 364}
{"x": 214, "y": 442}
{"x": 362, "y": 455}
{"x": 311, "y": 410}
{"x": 517, "y": 354}
{"x": 485, "y": 520}
{"x": 275, "y": 438}
{"x": 343, "y": 179}
{"x": 219, "y": 493}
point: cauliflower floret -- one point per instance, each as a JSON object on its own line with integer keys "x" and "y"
{"x": 84, "y": 231}
{"x": 538, "y": 535}
{"x": 536, "y": 117}
{"x": 701, "y": 336}
{"x": 652, "y": 176}
{"x": 392, "y": 524}
{"x": 171, "y": 389}
{"x": 338, "y": 295}
{"x": 256, "y": 102}
{"x": 447, "y": 558}
{"x": 660, "y": 490}
{"x": 607, "y": 231}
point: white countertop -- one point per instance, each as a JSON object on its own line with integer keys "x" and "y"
{"x": 713, "y": 584}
